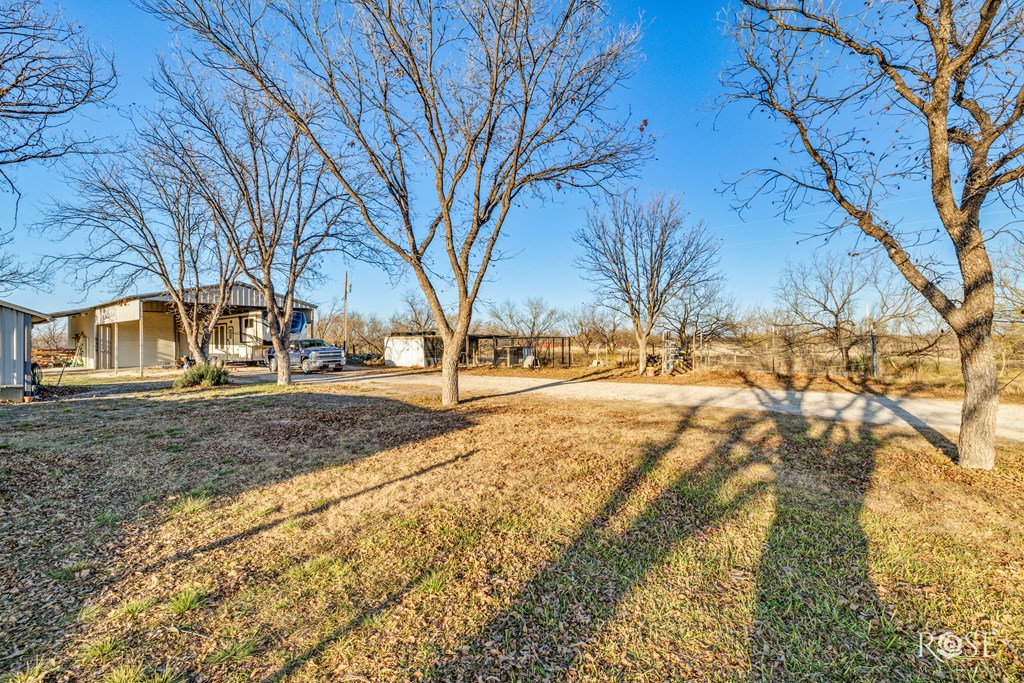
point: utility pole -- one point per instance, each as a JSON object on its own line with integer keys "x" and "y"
{"x": 344, "y": 314}
{"x": 875, "y": 365}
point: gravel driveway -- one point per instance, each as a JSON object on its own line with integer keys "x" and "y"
{"x": 932, "y": 414}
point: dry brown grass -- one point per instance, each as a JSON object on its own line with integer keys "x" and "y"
{"x": 320, "y": 533}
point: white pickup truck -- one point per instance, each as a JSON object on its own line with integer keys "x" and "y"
{"x": 310, "y": 355}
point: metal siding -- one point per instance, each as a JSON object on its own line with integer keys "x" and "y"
{"x": 8, "y": 334}
{"x": 15, "y": 347}
{"x": 27, "y": 348}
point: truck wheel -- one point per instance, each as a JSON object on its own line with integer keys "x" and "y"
{"x": 272, "y": 364}
{"x": 307, "y": 367}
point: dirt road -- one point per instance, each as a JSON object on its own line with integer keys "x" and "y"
{"x": 921, "y": 414}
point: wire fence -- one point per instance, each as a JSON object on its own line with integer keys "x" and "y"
{"x": 908, "y": 358}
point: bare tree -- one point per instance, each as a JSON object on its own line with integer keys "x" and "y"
{"x": 821, "y": 295}
{"x": 50, "y": 336}
{"x": 878, "y": 96}
{"x": 329, "y": 322}
{"x": 533, "y": 319}
{"x": 48, "y": 71}
{"x": 824, "y": 298}
{"x": 1010, "y": 286}
{"x": 13, "y": 272}
{"x": 455, "y": 109}
{"x": 586, "y": 325}
{"x": 140, "y": 220}
{"x": 368, "y": 331}
{"x": 610, "y": 331}
{"x": 701, "y": 312}
{"x": 269, "y": 192}
{"x": 414, "y": 316}
{"x": 640, "y": 254}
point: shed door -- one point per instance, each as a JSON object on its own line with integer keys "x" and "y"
{"x": 104, "y": 347}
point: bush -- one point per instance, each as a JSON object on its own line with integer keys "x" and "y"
{"x": 202, "y": 375}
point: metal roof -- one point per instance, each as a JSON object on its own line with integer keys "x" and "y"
{"x": 241, "y": 295}
{"x": 37, "y": 317}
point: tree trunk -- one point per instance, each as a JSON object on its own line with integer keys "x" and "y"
{"x": 981, "y": 399}
{"x": 284, "y": 366}
{"x": 845, "y": 353}
{"x": 450, "y": 370}
{"x": 641, "y": 341}
{"x": 200, "y": 352}
{"x": 279, "y": 339}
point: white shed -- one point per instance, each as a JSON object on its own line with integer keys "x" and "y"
{"x": 16, "y": 350}
{"x": 412, "y": 350}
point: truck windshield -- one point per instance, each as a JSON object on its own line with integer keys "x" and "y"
{"x": 314, "y": 343}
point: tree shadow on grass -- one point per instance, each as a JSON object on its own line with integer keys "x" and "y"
{"x": 931, "y": 435}
{"x": 545, "y": 629}
{"x": 817, "y": 613}
{"x": 77, "y": 482}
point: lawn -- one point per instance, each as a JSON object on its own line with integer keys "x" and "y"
{"x": 321, "y": 533}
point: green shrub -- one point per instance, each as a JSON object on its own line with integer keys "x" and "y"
{"x": 202, "y": 375}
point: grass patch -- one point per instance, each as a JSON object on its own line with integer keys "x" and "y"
{"x": 188, "y": 599}
{"x": 134, "y": 608}
{"x": 101, "y": 651}
{"x": 126, "y": 673}
{"x": 36, "y": 672}
{"x": 191, "y": 504}
{"x": 69, "y": 571}
{"x": 105, "y": 519}
{"x": 165, "y": 676}
{"x": 90, "y": 612}
{"x": 295, "y": 524}
{"x": 434, "y": 582}
{"x": 266, "y": 510}
{"x": 235, "y": 650}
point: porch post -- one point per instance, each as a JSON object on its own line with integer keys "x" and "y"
{"x": 142, "y": 372}
{"x": 116, "y": 342}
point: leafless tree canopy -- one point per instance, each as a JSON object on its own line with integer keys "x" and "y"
{"x": 141, "y": 222}
{"x": 843, "y": 298}
{"x": 414, "y": 315}
{"x": 14, "y": 272}
{"x": 533, "y": 319}
{"x": 48, "y": 70}
{"x": 587, "y": 325}
{"x": 704, "y": 311}
{"x": 1010, "y": 287}
{"x": 50, "y": 336}
{"x": 275, "y": 204}
{"x": 367, "y": 333}
{"x": 640, "y": 254}
{"x": 877, "y": 96}
{"x": 453, "y": 110}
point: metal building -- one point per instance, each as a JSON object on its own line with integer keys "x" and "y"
{"x": 16, "y": 350}
{"x": 142, "y": 330}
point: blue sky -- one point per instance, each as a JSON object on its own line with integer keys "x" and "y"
{"x": 695, "y": 153}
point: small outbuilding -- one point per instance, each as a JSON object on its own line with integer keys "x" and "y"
{"x": 412, "y": 350}
{"x": 16, "y": 350}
